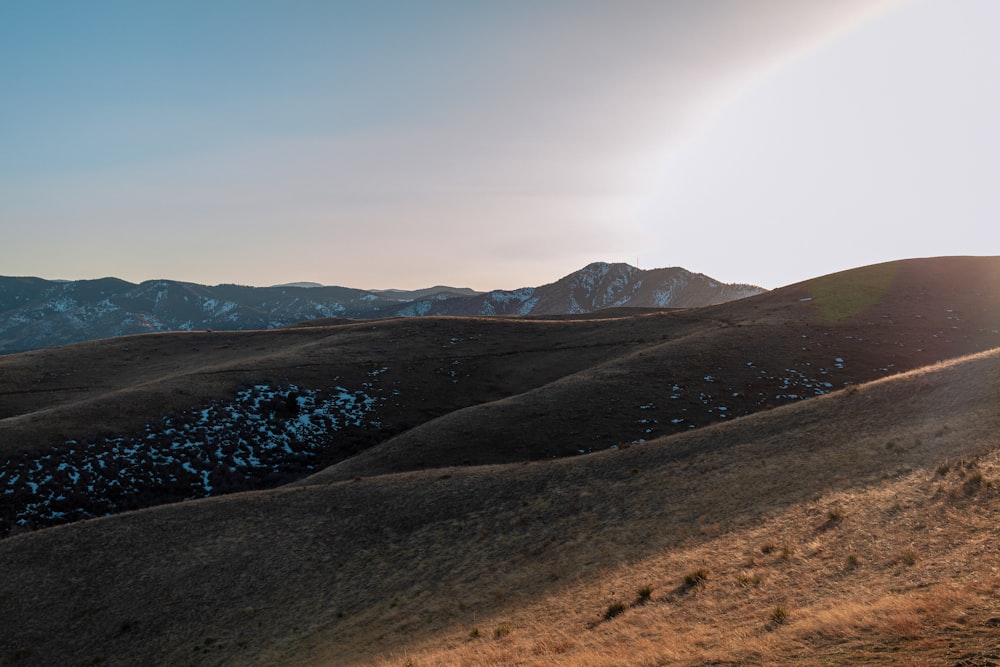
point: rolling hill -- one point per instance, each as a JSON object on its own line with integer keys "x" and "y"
{"x": 805, "y": 476}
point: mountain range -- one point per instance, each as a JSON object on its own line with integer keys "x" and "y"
{"x": 805, "y": 476}
{"x": 36, "y": 313}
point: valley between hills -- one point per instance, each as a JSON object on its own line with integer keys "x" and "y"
{"x": 804, "y": 476}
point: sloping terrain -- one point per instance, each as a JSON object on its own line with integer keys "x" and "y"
{"x": 797, "y": 342}
{"x": 597, "y": 286}
{"x": 119, "y": 424}
{"x": 36, "y": 313}
{"x": 808, "y": 476}
{"x": 858, "y": 527}
{"x": 134, "y": 421}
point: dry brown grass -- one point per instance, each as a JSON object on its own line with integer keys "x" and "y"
{"x": 402, "y": 567}
{"x": 879, "y": 613}
{"x": 406, "y": 566}
{"x": 118, "y": 385}
{"x": 531, "y": 389}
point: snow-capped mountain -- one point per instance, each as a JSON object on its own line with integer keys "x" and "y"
{"x": 37, "y": 313}
{"x": 601, "y": 285}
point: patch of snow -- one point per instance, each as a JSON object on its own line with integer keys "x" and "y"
{"x": 528, "y": 306}
{"x": 416, "y": 309}
{"x": 260, "y": 429}
{"x": 505, "y": 297}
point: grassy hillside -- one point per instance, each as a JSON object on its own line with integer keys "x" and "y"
{"x": 900, "y": 473}
{"x": 119, "y": 424}
{"x": 808, "y": 476}
{"x": 731, "y": 361}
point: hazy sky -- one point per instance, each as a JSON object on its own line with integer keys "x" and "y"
{"x": 493, "y": 144}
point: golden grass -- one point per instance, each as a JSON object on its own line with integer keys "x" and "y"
{"x": 880, "y": 611}
{"x": 402, "y": 568}
{"x": 797, "y": 559}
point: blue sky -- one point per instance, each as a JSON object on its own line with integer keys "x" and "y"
{"x": 493, "y": 145}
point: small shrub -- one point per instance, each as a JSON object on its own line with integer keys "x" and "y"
{"x": 501, "y": 631}
{"x": 474, "y": 633}
{"x": 696, "y": 578}
{"x": 833, "y": 519}
{"x": 973, "y": 483}
{"x": 614, "y": 609}
{"x": 943, "y": 469}
{"x": 851, "y": 563}
{"x": 779, "y": 616}
{"x": 767, "y": 548}
{"x": 906, "y": 557}
{"x": 644, "y": 594}
{"x": 748, "y": 580}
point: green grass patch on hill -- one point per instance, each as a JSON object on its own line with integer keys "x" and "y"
{"x": 844, "y": 295}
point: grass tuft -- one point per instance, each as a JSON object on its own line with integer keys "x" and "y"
{"x": 834, "y": 517}
{"x": 614, "y": 609}
{"x": 501, "y": 631}
{"x": 779, "y": 616}
{"x": 973, "y": 483}
{"x": 695, "y": 579}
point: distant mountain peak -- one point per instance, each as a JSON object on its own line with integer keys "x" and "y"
{"x": 38, "y": 313}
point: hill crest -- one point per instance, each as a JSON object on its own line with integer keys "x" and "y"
{"x": 568, "y": 536}
{"x": 362, "y": 398}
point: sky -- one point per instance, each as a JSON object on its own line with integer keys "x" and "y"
{"x": 493, "y": 145}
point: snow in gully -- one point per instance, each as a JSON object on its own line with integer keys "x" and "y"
{"x": 253, "y": 441}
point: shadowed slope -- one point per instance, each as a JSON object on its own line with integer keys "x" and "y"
{"x": 117, "y": 385}
{"x": 126, "y": 423}
{"x": 337, "y": 572}
{"x": 734, "y": 360}
{"x": 94, "y": 428}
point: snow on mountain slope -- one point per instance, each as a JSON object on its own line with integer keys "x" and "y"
{"x": 601, "y": 285}
{"x": 36, "y": 313}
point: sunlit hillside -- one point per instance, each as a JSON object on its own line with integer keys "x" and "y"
{"x": 540, "y": 505}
